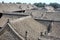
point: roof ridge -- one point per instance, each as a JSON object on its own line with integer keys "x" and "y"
{"x": 22, "y": 18}
{"x": 16, "y": 32}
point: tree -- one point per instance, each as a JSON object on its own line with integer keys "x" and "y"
{"x": 18, "y": 2}
{"x": 10, "y": 2}
{"x": 2, "y": 2}
{"x": 55, "y": 5}
{"x": 39, "y": 4}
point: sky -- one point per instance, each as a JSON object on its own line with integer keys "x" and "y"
{"x": 32, "y": 1}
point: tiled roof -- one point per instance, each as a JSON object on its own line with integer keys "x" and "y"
{"x": 3, "y": 21}
{"x": 28, "y": 24}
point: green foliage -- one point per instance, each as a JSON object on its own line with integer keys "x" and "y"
{"x": 55, "y": 5}
{"x": 2, "y": 2}
{"x": 39, "y": 4}
{"x": 18, "y": 2}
